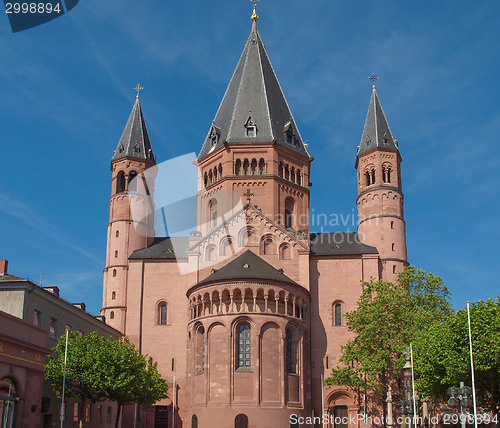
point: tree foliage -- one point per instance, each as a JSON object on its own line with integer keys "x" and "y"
{"x": 442, "y": 357}
{"x": 387, "y": 318}
{"x": 101, "y": 368}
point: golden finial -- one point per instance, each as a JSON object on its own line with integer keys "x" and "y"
{"x": 254, "y": 16}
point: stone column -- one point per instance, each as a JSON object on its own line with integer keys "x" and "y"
{"x": 390, "y": 417}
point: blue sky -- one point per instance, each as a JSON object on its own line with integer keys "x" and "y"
{"x": 67, "y": 93}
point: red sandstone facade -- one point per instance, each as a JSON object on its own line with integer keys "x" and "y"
{"x": 248, "y": 317}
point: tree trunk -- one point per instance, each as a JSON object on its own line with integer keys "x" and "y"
{"x": 118, "y": 412}
{"x": 81, "y": 416}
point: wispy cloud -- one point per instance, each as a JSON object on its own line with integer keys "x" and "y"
{"x": 33, "y": 219}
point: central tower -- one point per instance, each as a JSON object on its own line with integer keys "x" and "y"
{"x": 254, "y": 147}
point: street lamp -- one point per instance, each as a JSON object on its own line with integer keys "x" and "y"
{"x": 460, "y": 398}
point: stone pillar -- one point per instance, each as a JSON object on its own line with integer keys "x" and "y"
{"x": 390, "y": 417}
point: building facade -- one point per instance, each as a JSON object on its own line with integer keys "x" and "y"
{"x": 246, "y": 313}
{"x": 42, "y": 317}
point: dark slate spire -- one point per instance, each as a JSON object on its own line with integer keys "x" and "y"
{"x": 134, "y": 141}
{"x": 254, "y": 109}
{"x": 377, "y": 132}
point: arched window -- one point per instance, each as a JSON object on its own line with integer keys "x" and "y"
{"x": 290, "y": 353}
{"x": 117, "y": 234}
{"x": 116, "y": 254}
{"x": 268, "y": 246}
{"x": 394, "y": 269}
{"x": 393, "y": 247}
{"x": 205, "y": 179}
{"x": 287, "y": 173}
{"x": 162, "y": 313}
{"x": 299, "y": 178}
{"x": 114, "y": 272}
{"x": 289, "y": 212}
{"x": 288, "y": 219}
{"x": 254, "y": 166}
{"x": 392, "y": 225}
{"x": 241, "y": 421}
{"x": 210, "y": 177}
{"x": 285, "y": 252}
{"x": 237, "y": 167}
{"x": 8, "y": 404}
{"x": 194, "y": 421}
{"x": 210, "y": 253}
{"x": 225, "y": 246}
{"x": 215, "y": 173}
{"x": 292, "y": 175}
{"x": 120, "y": 182}
{"x": 280, "y": 170}
{"x": 368, "y": 178}
{"x": 199, "y": 364}
{"x": 113, "y": 295}
{"x": 213, "y": 212}
{"x": 244, "y": 346}
{"x": 132, "y": 181}
{"x": 262, "y": 166}
{"x": 220, "y": 171}
{"x": 245, "y": 167}
{"x": 373, "y": 176}
{"x": 112, "y": 315}
{"x": 337, "y": 314}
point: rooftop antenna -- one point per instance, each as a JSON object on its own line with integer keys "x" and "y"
{"x": 42, "y": 278}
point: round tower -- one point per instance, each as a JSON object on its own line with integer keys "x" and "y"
{"x": 380, "y": 196}
{"x": 131, "y": 212}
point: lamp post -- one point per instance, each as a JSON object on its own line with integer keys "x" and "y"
{"x": 460, "y": 398}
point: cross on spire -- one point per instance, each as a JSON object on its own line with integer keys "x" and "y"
{"x": 138, "y": 88}
{"x": 248, "y": 195}
{"x": 373, "y": 78}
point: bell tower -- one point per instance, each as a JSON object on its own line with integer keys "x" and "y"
{"x": 253, "y": 151}
{"x": 131, "y": 212}
{"x": 380, "y": 196}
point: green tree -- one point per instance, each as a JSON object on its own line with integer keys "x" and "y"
{"x": 442, "y": 357}
{"x": 387, "y": 318}
{"x": 101, "y": 368}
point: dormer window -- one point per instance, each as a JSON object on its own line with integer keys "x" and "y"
{"x": 289, "y": 134}
{"x": 251, "y": 131}
{"x": 214, "y": 136}
{"x": 250, "y": 127}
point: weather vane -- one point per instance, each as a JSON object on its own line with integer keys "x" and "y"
{"x": 373, "y": 77}
{"x": 138, "y": 88}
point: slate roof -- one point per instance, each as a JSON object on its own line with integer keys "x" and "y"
{"x": 134, "y": 141}
{"x": 164, "y": 248}
{"x": 338, "y": 243}
{"x": 376, "y": 132}
{"x": 254, "y": 97}
{"x": 248, "y": 266}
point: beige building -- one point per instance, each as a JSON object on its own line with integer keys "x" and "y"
{"x": 43, "y": 308}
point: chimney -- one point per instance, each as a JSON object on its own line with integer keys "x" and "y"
{"x": 3, "y": 267}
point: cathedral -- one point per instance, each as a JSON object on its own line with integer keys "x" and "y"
{"x": 245, "y": 316}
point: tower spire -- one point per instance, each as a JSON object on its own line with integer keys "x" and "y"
{"x": 376, "y": 132}
{"x": 134, "y": 141}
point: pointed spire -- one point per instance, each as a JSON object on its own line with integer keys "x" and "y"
{"x": 377, "y": 132}
{"x": 254, "y": 109}
{"x": 134, "y": 141}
